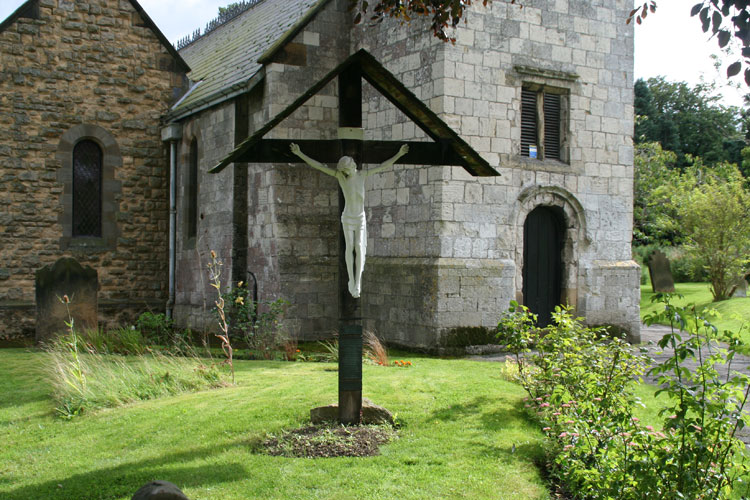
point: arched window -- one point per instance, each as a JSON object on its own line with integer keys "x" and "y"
{"x": 192, "y": 191}
{"x": 87, "y": 189}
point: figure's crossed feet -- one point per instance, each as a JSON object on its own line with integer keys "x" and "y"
{"x": 354, "y": 289}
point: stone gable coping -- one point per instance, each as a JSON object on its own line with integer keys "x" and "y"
{"x": 28, "y": 10}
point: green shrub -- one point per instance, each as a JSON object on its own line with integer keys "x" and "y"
{"x": 259, "y": 325}
{"x": 581, "y": 385}
{"x": 686, "y": 267}
{"x": 156, "y": 328}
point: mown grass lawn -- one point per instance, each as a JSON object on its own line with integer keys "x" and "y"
{"x": 461, "y": 422}
{"x": 733, "y": 313}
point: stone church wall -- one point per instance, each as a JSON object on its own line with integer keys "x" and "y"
{"x": 295, "y": 220}
{"x": 472, "y": 234}
{"x": 212, "y": 131}
{"x": 445, "y": 250}
{"x": 292, "y": 210}
{"x": 83, "y": 69}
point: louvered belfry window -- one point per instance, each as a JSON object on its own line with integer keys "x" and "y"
{"x": 87, "y": 189}
{"x": 552, "y": 126}
{"x": 528, "y": 121}
{"x": 541, "y": 121}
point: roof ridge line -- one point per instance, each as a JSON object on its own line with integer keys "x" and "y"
{"x": 218, "y": 22}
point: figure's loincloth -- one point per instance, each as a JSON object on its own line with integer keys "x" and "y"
{"x": 355, "y": 223}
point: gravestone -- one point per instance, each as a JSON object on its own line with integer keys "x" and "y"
{"x": 741, "y": 290}
{"x": 660, "y": 273}
{"x": 66, "y": 277}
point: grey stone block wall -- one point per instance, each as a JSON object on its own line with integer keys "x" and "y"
{"x": 583, "y": 48}
{"x": 194, "y": 297}
{"x": 445, "y": 249}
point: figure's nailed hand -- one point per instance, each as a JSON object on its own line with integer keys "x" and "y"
{"x": 294, "y": 149}
{"x": 404, "y": 149}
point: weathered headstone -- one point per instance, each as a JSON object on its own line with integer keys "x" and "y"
{"x": 660, "y": 273}
{"x": 741, "y": 290}
{"x": 159, "y": 490}
{"x": 66, "y": 277}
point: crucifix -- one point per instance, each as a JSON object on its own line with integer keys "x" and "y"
{"x": 353, "y": 217}
{"x": 445, "y": 148}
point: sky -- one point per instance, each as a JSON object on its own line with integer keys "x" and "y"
{"x": 669, "y": 43}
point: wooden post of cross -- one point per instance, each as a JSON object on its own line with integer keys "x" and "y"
{"x": 350, "y": 313}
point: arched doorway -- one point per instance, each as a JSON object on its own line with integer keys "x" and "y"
{"x": 543, "y": 236}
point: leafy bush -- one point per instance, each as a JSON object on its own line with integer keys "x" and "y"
{"x": 580, "y": 385}
{"x": 711, "y": 207}
{"x": 156, "y": 328}
{"x": 259, "y": 325}
{"x": 240, "y": 311}
{"x": 686, "y": 267}
{"x": 268, "y": 332}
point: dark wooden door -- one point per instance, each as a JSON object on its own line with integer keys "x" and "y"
{"x": 542, "y": 262}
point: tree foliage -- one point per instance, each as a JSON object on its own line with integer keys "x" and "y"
{"x": 711, "y": 208}
{"x": 724, "y": 19}
{"x": 444, "y": 14}
{"x": 687, "y": 120}
{"x": 654, "y": 167}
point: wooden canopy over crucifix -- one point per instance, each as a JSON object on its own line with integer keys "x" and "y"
{"x": 446, "y": 148}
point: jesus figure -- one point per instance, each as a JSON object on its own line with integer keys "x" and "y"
{"x": 353, "y": 220}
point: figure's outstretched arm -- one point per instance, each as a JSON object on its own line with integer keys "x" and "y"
{"x": 294, "y": 148}
{"x": 387, "y": 163}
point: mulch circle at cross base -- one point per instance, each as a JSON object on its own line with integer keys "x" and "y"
{"x": 329, "y": 440}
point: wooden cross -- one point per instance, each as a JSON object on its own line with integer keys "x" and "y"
{"x": 446, "y": 148}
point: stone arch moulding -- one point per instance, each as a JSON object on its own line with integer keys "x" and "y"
{"x": 576, "y": 237}
{"x": 111, "y": 188}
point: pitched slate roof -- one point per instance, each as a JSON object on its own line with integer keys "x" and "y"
{"x": 30, "y": 9}
{"x": 224, "y": 61}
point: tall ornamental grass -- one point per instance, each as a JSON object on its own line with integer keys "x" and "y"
{"x": 85, "y": 373}
{"x": 84, "y": 379}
